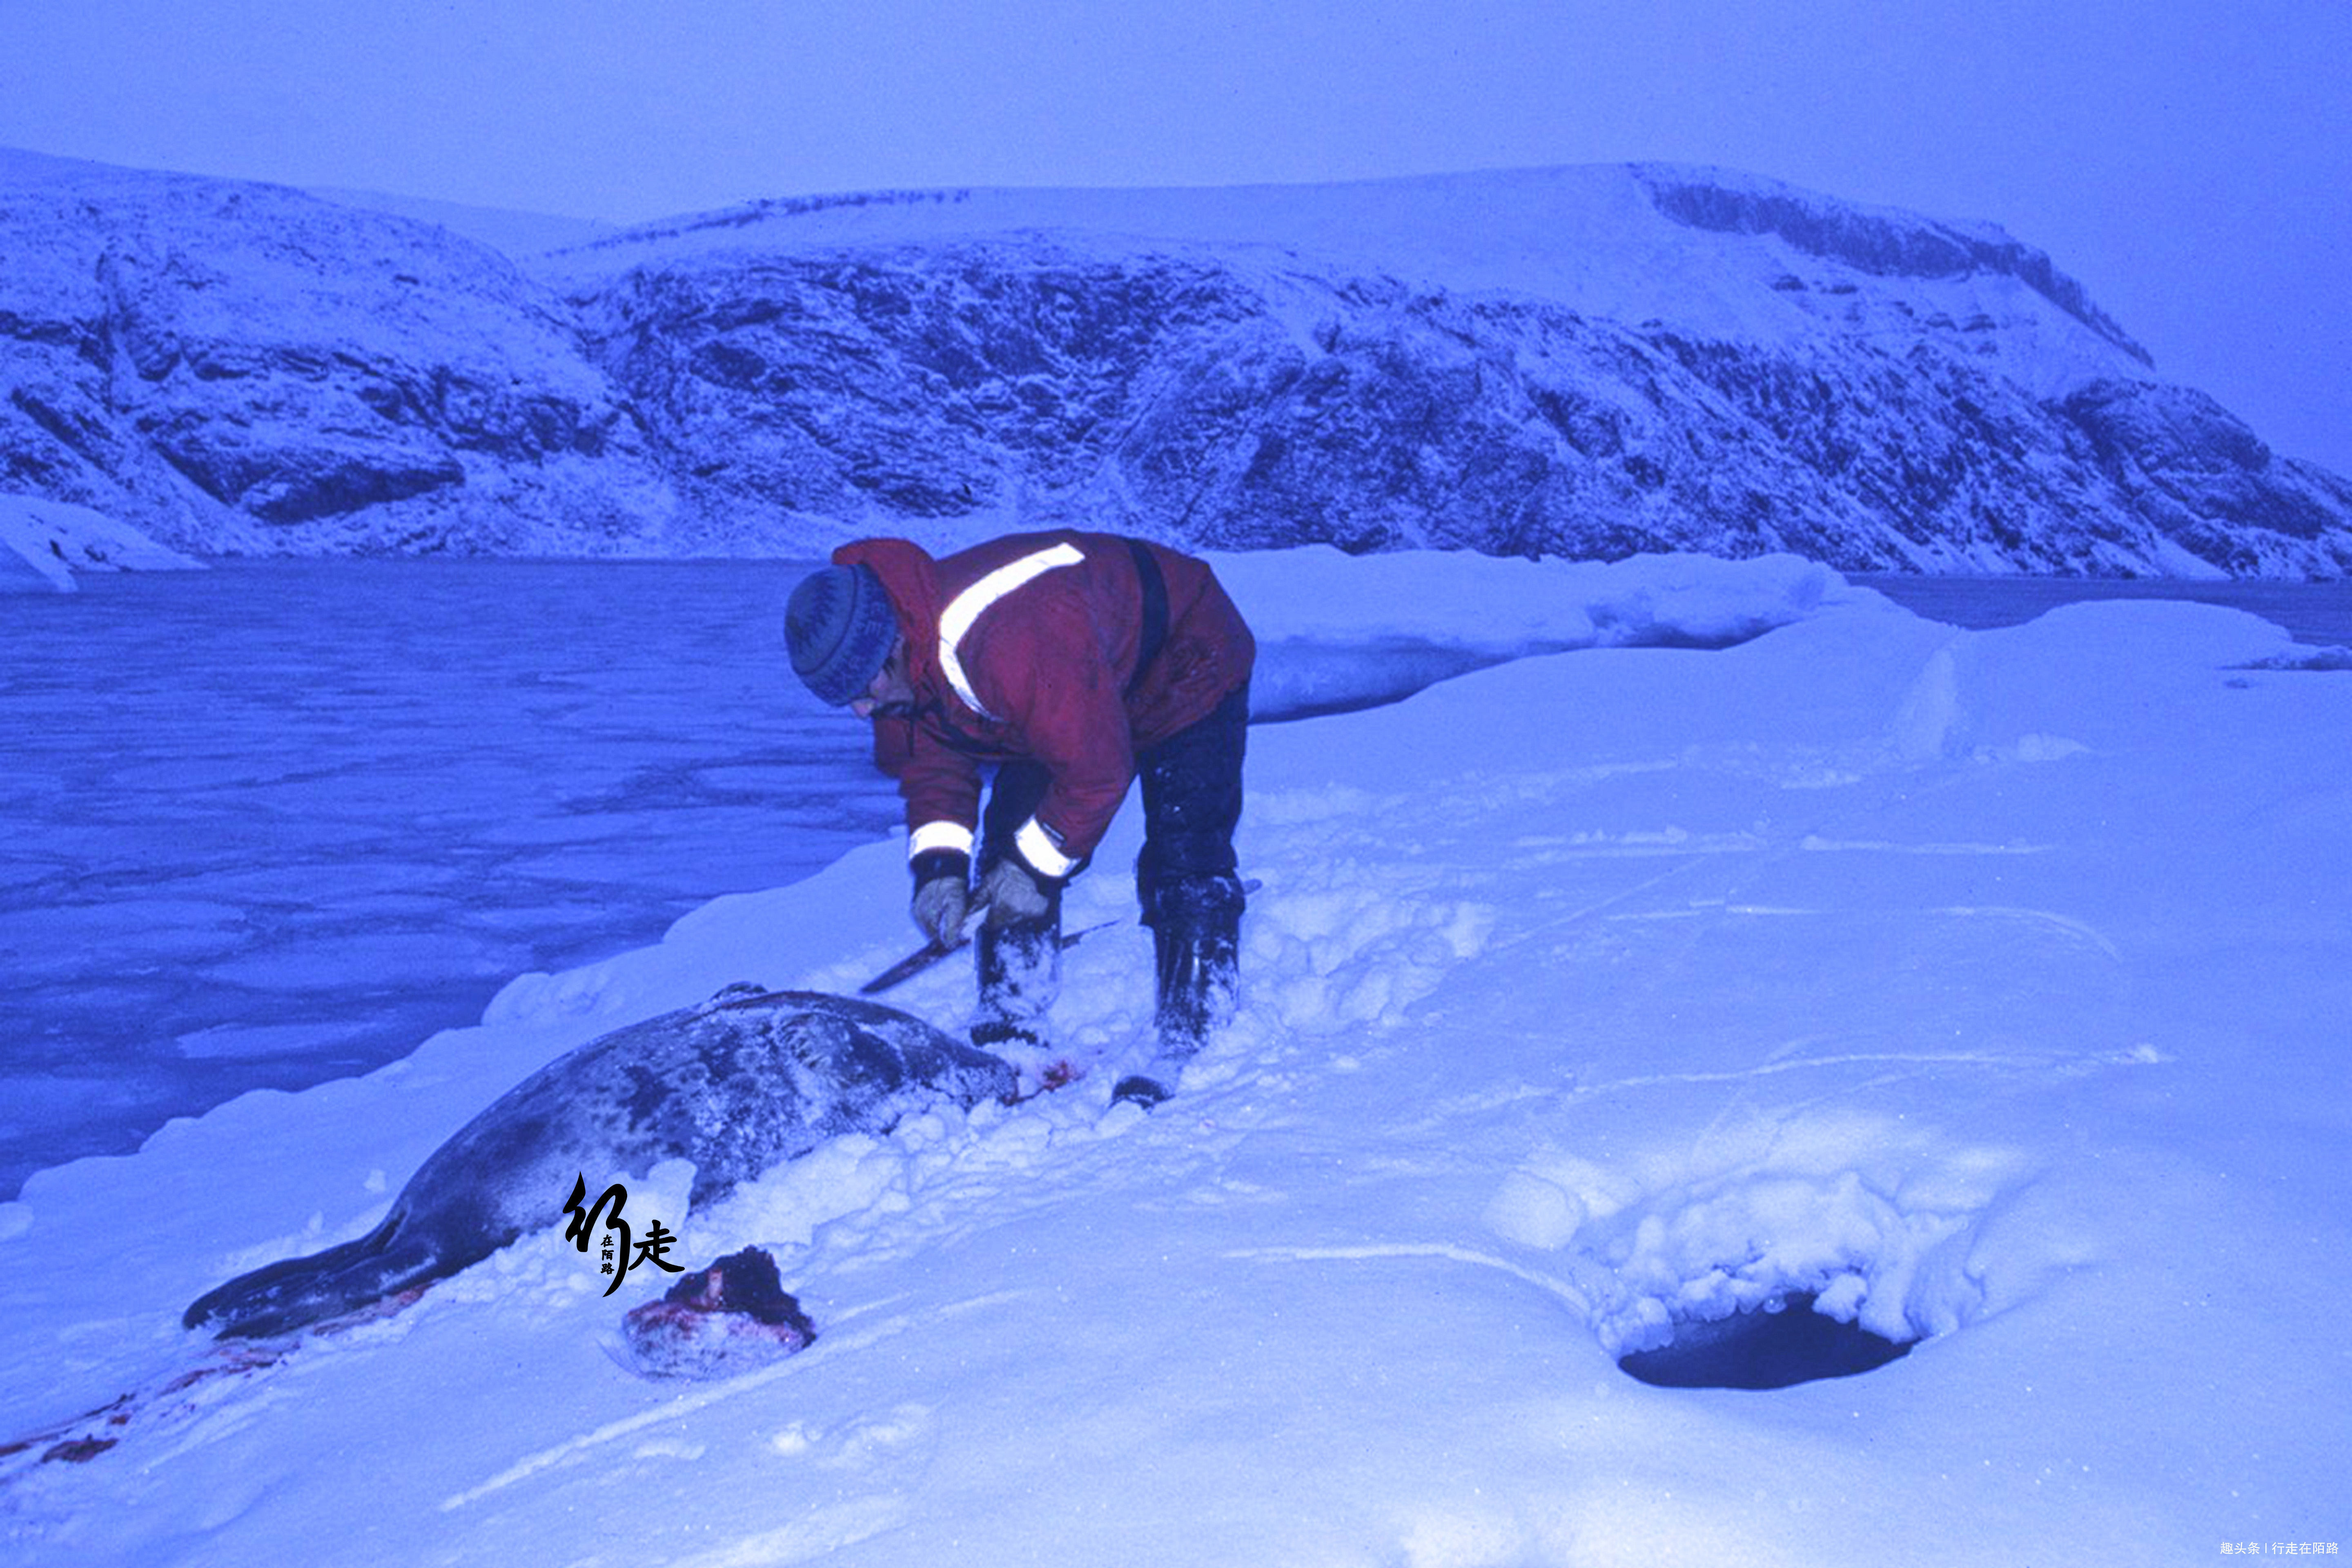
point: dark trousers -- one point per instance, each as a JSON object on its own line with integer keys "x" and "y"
{"x": 1185, "y": 879}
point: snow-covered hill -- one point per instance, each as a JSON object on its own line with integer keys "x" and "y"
{"x": 1586, "y": 360}
{"x": 43, "y": 543}
{"x": 239, "y": 368}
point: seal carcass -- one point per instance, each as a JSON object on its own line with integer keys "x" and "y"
{"x": 738, "y": 1085}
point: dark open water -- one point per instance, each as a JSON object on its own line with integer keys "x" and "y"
{"x": 2317, "y": 613}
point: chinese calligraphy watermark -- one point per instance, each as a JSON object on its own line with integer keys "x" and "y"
{"x": 2279, "y": 1548}
{"x": 615, "y": 1258}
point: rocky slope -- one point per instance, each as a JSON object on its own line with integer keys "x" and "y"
{"x": 238, "y": 368}
{"x": 1589, "y": 362}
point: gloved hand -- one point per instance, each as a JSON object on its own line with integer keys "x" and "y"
{"x": 942, "y": 898}
{"x": 1013, "y": 894}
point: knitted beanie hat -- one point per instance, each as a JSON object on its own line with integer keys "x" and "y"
{"x": 839, "y": 626}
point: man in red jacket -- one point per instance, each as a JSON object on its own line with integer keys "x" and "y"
{"x": 1070, "y": 664}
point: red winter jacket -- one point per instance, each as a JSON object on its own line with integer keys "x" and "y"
{"x": 1023, "y": 648}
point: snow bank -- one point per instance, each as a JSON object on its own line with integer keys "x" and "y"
{"x": 1338, "y": 632}
{"x": 44, "y": 542}
{"x": 1988, "y": 986}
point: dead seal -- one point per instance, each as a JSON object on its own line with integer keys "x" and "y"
{"x": 738, "y": 1085}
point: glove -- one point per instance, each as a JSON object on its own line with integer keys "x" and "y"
{"x": 942, "y": 899}
{"x": 1013, "y": 894}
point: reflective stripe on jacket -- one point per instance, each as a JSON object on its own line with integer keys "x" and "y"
{"x": 1026, "y": 648}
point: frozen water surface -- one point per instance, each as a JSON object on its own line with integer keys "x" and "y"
{"x": 276, "y": 823}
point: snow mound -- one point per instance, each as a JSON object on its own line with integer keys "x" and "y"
{"x": 1867, "y": 1214}
{"x": 1338, "y": 633}
{"x": 44, "y": 542}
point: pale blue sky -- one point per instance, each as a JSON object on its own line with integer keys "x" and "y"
{"x": 2190, "y": 161}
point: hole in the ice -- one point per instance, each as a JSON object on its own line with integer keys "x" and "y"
{"x": 1777, "y": 1345}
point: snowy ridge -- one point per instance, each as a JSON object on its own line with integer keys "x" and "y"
{"x": 43, "y": 543}
{"x": 1590, "y": 362}
{"x": 1876, "y": 240}
{"x": 1579, "y": 235}
{"x": 236, "y": 368}
{"x": 516, "y": 234}
{"x": 1586, "y": 997}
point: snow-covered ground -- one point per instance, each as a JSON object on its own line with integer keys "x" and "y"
{"x": 44, "y": 542}
{"x": 1993, "y": 985}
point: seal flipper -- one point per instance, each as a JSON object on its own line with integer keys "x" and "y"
{"x": 297, "y": 1292}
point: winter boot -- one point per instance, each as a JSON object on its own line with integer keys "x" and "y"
{"x": 1196, "y": 942}
{"x": 1019, "y": 967}
{"x": 1197, "y": 978}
